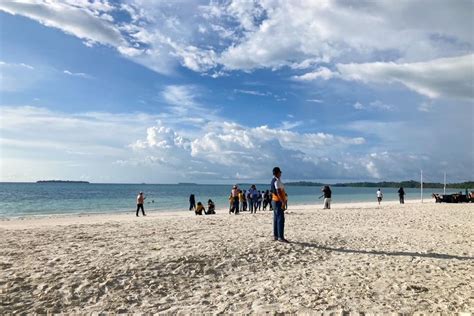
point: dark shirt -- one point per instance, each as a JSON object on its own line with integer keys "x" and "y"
{"x": 401, "y": 192}
{"x": 327, "y": 193}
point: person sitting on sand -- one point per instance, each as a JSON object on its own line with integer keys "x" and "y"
{"x": 199, "y": 209}
{"x": 140, "y": 200}
{"x": 210, "y": 207}
{"x": 379, "y": 196}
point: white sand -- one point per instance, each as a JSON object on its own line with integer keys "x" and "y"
{"x": 355, "y": 257}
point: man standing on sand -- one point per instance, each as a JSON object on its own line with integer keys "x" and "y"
{"x": 279, "y": 201}
{"x": 401, "y": 195}
{"x": 140, "y": 200}
{"x": 379, "y": 196}
{"x": 235, "y": 199}
{"x": 327, "y": 197}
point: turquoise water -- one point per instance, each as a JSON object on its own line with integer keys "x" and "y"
{"x": 27, "y": 199}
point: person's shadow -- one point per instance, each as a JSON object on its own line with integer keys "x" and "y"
{"x": 384, "y": 253}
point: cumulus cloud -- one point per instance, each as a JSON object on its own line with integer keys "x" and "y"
{"x": 220, "y": 149}
{"x": 228, "y": 148}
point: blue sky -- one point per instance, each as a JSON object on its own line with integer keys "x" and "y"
{"x": 222, "y": 91}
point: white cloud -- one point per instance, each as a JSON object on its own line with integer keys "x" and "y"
{"x": 447, "y": 77}
{"x": 227, "y": 148}
{"x": 77, "y": 74}
{"x": 135, "y": 146}
{"x": 358, "y": 106}
{"x": 341, "y": 30}
{"x": 374, "y": 105}
{"x": 248, "y": 35}
{"x": 79, "y": 20}
{"x": 321, "y": 73}
{"x": 315, "y": 100}
{"x": 252, "y": 92}
{"x": 290, "y": 125}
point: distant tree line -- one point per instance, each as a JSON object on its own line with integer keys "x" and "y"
{"x": 389, "y": 184}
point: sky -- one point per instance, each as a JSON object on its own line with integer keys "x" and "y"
{"x": 137, "y": 91}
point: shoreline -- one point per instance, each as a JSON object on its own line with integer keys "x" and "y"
{"x": 181, "y": 212}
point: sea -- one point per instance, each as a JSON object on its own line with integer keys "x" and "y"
{"x": 43, "y": 199}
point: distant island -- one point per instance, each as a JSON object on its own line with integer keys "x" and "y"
{"x": 60, "y": 181}
{"x": 186, "y": 183}
{"x": 388, "y": 184}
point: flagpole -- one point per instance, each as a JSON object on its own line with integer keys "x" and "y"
{"x": 421, "y": 171}
{"x": 444, "y": 189}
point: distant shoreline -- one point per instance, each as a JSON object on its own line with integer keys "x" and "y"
{"x": 61, "y": 181}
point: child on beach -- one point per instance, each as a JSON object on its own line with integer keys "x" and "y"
{"x": 199, "y": 209}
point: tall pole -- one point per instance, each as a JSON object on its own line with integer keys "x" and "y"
{"x": 421, "y": 186}
{"x": 444, "y": 189}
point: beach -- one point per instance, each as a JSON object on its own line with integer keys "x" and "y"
{"x": 357, "y": 257}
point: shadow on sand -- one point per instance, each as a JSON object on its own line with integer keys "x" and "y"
{"x": 383, "y": 253}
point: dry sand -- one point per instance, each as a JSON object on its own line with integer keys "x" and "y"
{"x": 352, "y": 258}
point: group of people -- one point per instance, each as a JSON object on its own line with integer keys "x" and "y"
{"x": 401, "y": 195}
{"x": 251, "y": 200}
{"x": 199, "y": 207}
{"x": 276, "y": 198}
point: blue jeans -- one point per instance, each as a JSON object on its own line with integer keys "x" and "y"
{"x": 278, "y": 220}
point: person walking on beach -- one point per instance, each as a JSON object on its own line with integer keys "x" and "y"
{"x": 379, "y": 196}
{"x": 266, "y": 200}
{"x": 279, "y": 200}
{"x": 140, "y": 200}
{"x": 327, "y": 197}
{"x": 253, "y": 198}
{"x": 192, "y": 202}
{"x": 401, "y": 195}
{"x": 235, "y": 199}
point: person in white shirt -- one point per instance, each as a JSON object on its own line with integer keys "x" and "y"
{"x": 379, "y": 196}
{"x": 140, "y": 200}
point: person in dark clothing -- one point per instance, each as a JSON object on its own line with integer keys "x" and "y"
{"x": 327, "y": 197}
{"x": 279, "y": 199}
{"x": 140, "y": 200}
{"x": 210, "y": 208}
{"x": 267, "y": 199}
{"x": 192, "y": 202}
{"x": 401, "y": 195}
